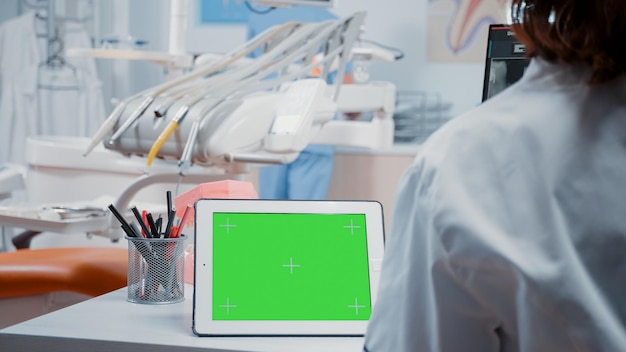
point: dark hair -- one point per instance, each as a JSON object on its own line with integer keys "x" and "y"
{"x": 588, "y": 32}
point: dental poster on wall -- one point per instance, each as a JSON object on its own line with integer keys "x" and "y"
{"x": 457, "y": 29}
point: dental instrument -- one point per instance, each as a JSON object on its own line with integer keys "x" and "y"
{"x": 313, "y": 33}
{"x": 231, "y": 76}
{"x": 280, "y": 58}
{"x": 150, "y": 95}
{"x": 104, "y": 129}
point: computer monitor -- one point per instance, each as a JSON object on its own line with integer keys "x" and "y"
{"x": 279, "y": 3}
{"x": 506, "y": 60}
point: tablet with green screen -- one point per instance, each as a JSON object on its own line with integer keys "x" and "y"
{"x": 269, "y": 267}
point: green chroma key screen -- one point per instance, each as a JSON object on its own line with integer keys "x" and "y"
{"x": 290, "y": 267}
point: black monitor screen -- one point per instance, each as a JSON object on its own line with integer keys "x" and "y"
{"x": 506, "y": 61}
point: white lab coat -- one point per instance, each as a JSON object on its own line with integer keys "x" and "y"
{"x": 27, "y": 109}
{"x": 509, "y": 232}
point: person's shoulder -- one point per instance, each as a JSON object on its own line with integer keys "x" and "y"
{"x": 474, "y": 134}
{"x": 524, "y": 118}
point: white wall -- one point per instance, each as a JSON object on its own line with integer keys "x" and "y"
{"x": 149, "y": 20}
{"x": 402, "y": 24}
{"x": 212, "y": 38}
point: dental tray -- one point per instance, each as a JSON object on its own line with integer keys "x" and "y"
{"x": 55, "y": 219}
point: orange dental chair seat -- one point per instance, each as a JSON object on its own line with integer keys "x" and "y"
{"x": 91, "y": 271}
{"x": 38, "y": 281}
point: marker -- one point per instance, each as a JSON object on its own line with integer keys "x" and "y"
{"x": 169, "y": 202}
{"x": 155, "y": 232}
{"x": 183, "y": 220}
{"x": 171, "y": 213}
{"x": 144, "y": 216}
{"x": 131, "y": 230}
{"x": 170, "y": 222}
{"x": 159, "y": 223}
{"x": 125, "y": 226}
{"x": 142, "y": 223}
{"x": 141, "y": 246}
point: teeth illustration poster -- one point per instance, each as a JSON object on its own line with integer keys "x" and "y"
{"x": 457, "y": 29}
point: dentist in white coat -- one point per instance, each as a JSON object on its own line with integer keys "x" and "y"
{"x": 510, "y": 227}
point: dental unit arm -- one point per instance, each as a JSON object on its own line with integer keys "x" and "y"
{"x": 224, "y": 96}
{"x": 233, "y": 112}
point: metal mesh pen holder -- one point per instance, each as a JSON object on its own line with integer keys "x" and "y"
{"x": 156, "y": 270}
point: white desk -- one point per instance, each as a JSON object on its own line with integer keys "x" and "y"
{"x": 110, "y": 323}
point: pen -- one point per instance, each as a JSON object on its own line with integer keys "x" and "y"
{"x": 141, "y": 247}
{"x": 136, "y": 231}
{"x": 174, "y": 231}
{"x": 155, "y": 233}
{"x": 144, "y": 216}
{"x": 170, "y": 222}
{"x": 128, "y": 231}
{"x": 159, "y": 223}
{"x": 183, "y": 220}
{"x": 170, "y": 214}
{"x": 168, "y": 194}
{"x": 121, "y": 219}
{"x": 132, "y": 231}
{"x": 142, "y": 223}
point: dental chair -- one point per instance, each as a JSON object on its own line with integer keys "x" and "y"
{"x": 38, "y": 281}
